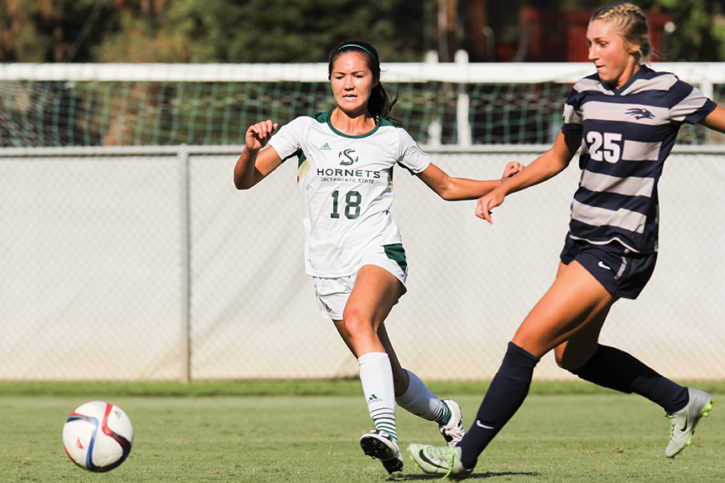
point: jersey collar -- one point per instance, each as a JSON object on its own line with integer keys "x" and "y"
{"x": 327, "y": 117}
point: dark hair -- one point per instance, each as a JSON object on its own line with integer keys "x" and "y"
{"x": 379, "y": 104}
{"x": 631, "y": 23}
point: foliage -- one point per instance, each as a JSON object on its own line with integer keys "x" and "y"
{"x": 147, "y": 34}
{"x": 205, "y": 30}
{"x": 301, "y": 31}
{"x": 699, "y": 30}
{"x": 286, "y": 31}
{"x": 52, "y": 31}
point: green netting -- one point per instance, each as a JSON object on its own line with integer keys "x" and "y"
{"x": 84, "y": 113}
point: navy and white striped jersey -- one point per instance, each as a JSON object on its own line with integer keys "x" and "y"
{"x": 627, "y": 134}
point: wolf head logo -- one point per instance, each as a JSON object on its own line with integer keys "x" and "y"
{"x": 640, "y": 113}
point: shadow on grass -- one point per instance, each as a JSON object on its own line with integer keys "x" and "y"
{"x": 472, "y": 476}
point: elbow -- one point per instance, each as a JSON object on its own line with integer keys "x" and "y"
{"x": 244, "y": 181}
{"x": 447, "y": 191}
{"x": 447, "y": 195}
{"x": 241, "y": 184}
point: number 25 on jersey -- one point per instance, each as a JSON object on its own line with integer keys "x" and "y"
{"x": 604, "y": 146}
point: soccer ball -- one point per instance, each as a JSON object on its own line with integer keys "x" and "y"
{"x": 98, "y": 436}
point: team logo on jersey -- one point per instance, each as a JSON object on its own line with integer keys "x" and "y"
{"x": 347, "y": 157}
{"x": 640, "y": 113}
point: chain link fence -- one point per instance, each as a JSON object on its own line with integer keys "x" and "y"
{"x": 144, "y": 263}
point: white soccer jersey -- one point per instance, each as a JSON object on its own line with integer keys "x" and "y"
{"x": 345, "y": 184}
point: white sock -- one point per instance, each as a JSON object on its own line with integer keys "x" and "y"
{"x": 376, "y": 376}
{"x": 419, "y": 400}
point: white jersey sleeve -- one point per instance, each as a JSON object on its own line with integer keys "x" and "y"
{"x": 287, "y": 140}
{"x": 411, "y": 156}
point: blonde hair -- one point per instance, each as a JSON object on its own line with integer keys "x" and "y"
{"x": 632, "y": 25}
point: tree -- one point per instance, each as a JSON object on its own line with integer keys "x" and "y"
{"x": 258, "y": 30}
{"x": 51, "y": 31}
{"x": 699, "y": 30}
{"x": 302, "y": 30}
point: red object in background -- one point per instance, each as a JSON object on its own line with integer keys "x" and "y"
{"x": 547, "y": 35}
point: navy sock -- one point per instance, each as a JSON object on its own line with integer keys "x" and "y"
{"x": 615, "y": 369}
{"x": 503, "y": 398}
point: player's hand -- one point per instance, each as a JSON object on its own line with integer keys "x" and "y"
{"x": 487, "y": 203}
{"x": 511, "y": 169}
{"x": 258, "y": 134}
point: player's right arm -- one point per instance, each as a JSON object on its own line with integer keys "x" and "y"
{"x": 542, "y": 168}
{"x": 255, "y": 163}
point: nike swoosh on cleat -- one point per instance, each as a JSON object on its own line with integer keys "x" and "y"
{"x": 481, "y": 425}
{"x": 421, "y": 455}
{"x": 684, "y": 426}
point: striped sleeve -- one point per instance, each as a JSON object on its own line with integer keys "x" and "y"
{"x": 689, "y": 104}
{"x": 572, "y": 111}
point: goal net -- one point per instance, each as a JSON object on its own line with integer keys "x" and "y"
{"x": 212, "y": 104}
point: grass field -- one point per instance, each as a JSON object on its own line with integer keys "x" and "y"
{"x": 308, "y": 431}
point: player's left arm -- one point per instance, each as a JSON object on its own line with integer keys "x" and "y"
{"x": 451, "y": 188}
{"x": 716, "y": 119}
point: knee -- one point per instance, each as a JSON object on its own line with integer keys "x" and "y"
{"x": 564, "y": 362}
{"x": 572, "y": 360}
{"x": 356, "y": 324}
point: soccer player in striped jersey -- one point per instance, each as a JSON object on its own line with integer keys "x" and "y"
{"x": 627, "y": 116}
{"x": 353, "y": 248}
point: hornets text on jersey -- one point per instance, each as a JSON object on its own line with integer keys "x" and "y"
{"x": 346, "y": 187}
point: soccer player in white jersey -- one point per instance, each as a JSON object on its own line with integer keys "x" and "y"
{"x": 627, "y": 116}
{"x": 353, "y": 248}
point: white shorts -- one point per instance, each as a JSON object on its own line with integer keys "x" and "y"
{"x": 332, "y": 293}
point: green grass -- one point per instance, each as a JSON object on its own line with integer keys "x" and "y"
{"x": 307, "y": 431}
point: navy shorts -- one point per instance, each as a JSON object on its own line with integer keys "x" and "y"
{"x": 622, "y": 272}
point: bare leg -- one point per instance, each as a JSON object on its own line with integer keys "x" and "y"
{"x": 400, "y": 375}
{"x": 575, "y": 302}
{"x": 376, "y": 291}
{"x": 363, "y": 330}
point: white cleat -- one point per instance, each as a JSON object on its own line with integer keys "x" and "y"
{"x": 380, "y": 445}
{"x": 685, "y": 420}
{"x": 453, "y": 430}
{"x": 439, "y": 460}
